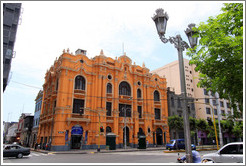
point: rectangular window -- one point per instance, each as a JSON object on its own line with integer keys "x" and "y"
{"x": 205, "y": 91}
{"x": 214, "y": 102}
{"x": 206, "y": 100}
{"x": 222, "y": 104}
{"x": 108, "y": 108}
{"x": 140, "y": 111}
{"x": 228, "y": 105}
{"x": 208, "y": 111}
{"x": 222, "y": 112}
{"x": 157, "y": 113}
{"x": 179, "y": 103}
{"x": 172, "y": 101}
{"x": 78, "y": 106}
{"x": 192, "y": 106}
{"x": 215, "y": 112}
{"x": 122, "y": 110}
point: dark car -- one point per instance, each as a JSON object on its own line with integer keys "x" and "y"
{"x": 15, "y": 151}
{"x": 178, "y": 144}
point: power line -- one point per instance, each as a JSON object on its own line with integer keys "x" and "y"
{"x": 139, "y": 99}
{"x": 27, "y": 85}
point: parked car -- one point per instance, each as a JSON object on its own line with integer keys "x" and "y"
{"x": 180, "y": 143}
{"x": 15, "y": 150}
{"x": 229, "y": 153}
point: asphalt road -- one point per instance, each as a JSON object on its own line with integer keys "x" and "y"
{"x": 118, "y": 157}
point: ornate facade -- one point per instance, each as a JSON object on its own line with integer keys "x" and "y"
{"x": 80, "y": 95}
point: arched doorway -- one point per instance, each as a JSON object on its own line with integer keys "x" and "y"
{"x": 159, "y": 140}
{"x": 108, "y": 129}
{"x": 76, "y": 137}
{"x": 140, "y": 132}
{"x": 127, "y": 136}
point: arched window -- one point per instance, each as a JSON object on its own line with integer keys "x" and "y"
{"x": 139, "y": 95}
{"x": 124, "y": 89}
{"x": 108, "y": 129}
{"x": 156, "y": 96}
{"x": 109, "y": 88}
{"x": 80, "y": 83}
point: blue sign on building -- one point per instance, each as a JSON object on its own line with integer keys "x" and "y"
{"x": 77, "y": 130}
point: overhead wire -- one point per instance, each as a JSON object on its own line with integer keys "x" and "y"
{"x": 188, "y": 98}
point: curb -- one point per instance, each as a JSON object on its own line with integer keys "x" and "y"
{"x": 94, "y": 152}
{"x": 114, "y": 151}
{"x": 174, "y": 151}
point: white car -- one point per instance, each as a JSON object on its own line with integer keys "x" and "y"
{"x": 229, "y": 153}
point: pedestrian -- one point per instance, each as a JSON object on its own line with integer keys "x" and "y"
{"x": 147, "y": 143}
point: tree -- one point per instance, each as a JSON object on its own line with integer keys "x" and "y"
{"x": 202, "y": 125}
{"x": 193, "y": 127}
{"x": 237, "y": 129}
{"x": 175, "y": 122}
{"x": 219, "y": 55}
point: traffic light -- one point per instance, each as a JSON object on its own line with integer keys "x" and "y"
{"x": 101, "y": 129}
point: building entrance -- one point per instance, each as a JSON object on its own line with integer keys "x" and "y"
{"x": 76, "y": 137}
{"x": 127, "y": 136}
{"x": 159, "y": 137}
{"x": 76, "y": 141}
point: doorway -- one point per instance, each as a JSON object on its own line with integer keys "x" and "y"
{"x": 127, "y": 136}
{"x": 76, "y": 137}
{"x": 159, "y": 139}
{"x": 76, "y": 141}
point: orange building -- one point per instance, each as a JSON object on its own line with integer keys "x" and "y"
{"x": 80, "y": 95}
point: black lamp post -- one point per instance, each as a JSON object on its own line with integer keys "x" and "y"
{"x": 160, "y": 20}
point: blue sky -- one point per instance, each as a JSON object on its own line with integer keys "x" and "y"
{"x": 47, "y": 28}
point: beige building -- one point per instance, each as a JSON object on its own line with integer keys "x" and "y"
{"x": 203, "y": 111}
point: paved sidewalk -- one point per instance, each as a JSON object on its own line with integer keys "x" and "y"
{"x": 95, "y": 150}
{"x": 205, "y": 148}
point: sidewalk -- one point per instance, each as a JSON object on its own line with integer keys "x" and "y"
{"x": 204, "y": 148}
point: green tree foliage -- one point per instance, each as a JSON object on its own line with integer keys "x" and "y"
{"x": 193, "y": 123}
{"x": 227, "y": 125}
{"x": 202, "y": 124}
{"x": 219, "y": 55}
{"x": 237, "y": 129}
{"x": 175, "y": 122}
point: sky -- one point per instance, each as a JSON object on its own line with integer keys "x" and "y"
{"x": 46, "y": 28}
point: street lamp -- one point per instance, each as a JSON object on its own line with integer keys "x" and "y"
{"x": 160, "y": 20}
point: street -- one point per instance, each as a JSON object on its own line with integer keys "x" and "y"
{"x": 114, "y": 157}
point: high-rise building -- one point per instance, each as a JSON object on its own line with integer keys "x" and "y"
{"x": 208, "y": 102}
{"x": 87, "y": 100}
{"x": 11, "y": 16}
{"x": 204, "y": 111}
